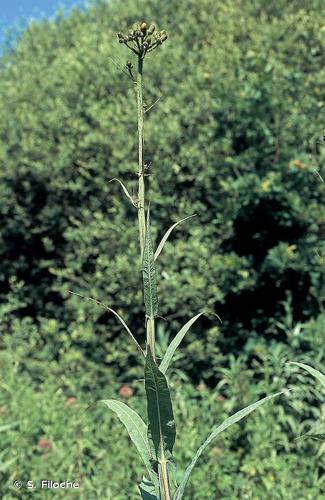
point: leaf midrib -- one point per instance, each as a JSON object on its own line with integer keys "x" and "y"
{"x": 158, "y": 410}
{"x": 143, "y": 437}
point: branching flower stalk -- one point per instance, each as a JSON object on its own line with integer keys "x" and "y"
{"x": 141, "y": 40}
{"x": 155, "y": 439}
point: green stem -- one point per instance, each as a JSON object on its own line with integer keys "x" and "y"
{"x": 163, "y": 479}
{"x": 162, "y": 467}
{"x": 141, "y": 192}
{"x": 141, "y": 213}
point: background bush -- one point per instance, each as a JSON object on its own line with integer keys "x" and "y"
{"x": 49, "y": 435}
{"x": 235, "y": 138}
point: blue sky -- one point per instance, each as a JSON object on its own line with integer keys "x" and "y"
{"x": 12, "y": 11}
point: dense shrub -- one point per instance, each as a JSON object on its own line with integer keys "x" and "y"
{"x": 46, "y": 433}
{"x": 234, "y": 139}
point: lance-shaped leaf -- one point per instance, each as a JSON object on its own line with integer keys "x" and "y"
{"x": 147, "y": 490}
{"x": 315, "y": 373}
{"x": 161, "y": 423}
{"x": 149, "y": 275}
{"x": 317, "y": 437}
{"x": 136, "y": 428}
{"x": 217, "y": 430}
{"x": 121, "y": 320}
{"x": 167, "y": 234}
{"x": 175, "y": 343}
{"x": 126, "y": 192}
{"x": 317, "y": 432}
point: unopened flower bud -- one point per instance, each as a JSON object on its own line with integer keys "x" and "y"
{"x": 146, "y": 37}
{"x": 151, "y": 29}
{"x": 144, "y": 27}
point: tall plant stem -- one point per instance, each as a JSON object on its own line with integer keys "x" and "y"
{"x": 141, "y": 192}
{"x": 151, "y": 337}
{"x": 164, "y": 479}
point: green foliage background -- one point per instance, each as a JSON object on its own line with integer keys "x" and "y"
{"x": 235, "y": 138}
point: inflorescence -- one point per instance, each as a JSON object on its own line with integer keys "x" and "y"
{"x": 143, "y": 39}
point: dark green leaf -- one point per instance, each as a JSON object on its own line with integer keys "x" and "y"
{"x": 147, "y": 490}
{"x": 161, "y": 423}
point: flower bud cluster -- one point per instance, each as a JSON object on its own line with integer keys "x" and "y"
{"x": 143, "y": 38}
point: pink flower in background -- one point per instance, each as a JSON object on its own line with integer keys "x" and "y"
{"x": 126, "y": 391}
{"x": 45, "y": 444}
{"x": 70, "y": 401}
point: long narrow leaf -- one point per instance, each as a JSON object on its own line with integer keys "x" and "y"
{"x": 149, "y": 275}
{"x": 217, "y": 430}
{"x": 317, "y": 432}
{"x": 115, "y": 314}
{"x": 315, "y": 373}
{"x": 136, "y": 428}
{"x": 167, "y": 234}
{"x": 126, "y": 192}
{"x": 161, "y": 423}
{"x": 175, "y": 343}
